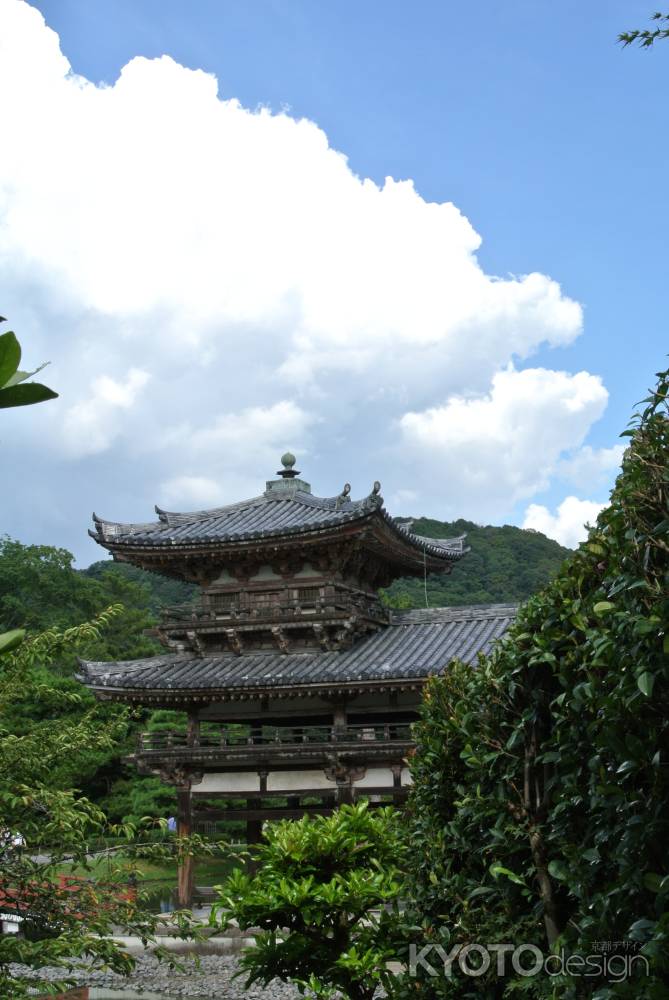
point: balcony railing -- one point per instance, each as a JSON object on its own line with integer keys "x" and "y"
{"x": 277, "y": 737}
{"x": 247, "y": 607}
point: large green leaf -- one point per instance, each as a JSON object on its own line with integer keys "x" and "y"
{"x": 24, "y": 395}
{"x": 10, "y": 356}
{"x": 10, "y": 640}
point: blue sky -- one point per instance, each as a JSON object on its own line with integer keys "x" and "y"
{"x": 527, "y": 116}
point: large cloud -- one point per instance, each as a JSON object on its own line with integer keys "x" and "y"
{"x": 508, "y": 441}
{"x": 215, "y": 283}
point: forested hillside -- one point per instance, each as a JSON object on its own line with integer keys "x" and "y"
{"x": 503, "y": 565}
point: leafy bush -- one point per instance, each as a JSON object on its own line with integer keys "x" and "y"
{"x": 540, "y": 810}
{"x": 322, "y": 894}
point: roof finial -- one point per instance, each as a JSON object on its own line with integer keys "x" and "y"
{"x": 289, "y": 471}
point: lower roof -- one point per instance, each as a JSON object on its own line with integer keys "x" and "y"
{"x": 414, "y": 645}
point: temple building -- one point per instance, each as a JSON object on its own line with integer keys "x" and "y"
{"x": 299, "y": 685}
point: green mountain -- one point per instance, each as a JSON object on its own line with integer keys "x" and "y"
{"x": 504, "y": 565}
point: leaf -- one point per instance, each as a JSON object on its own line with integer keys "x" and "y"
{"x": 602, "y": 607}
{"x": 558, "y": 870}
{"x": 10, "y": 356}
{"x": 496, "y": 870}
{"x": 10, "y": 640}
{"x": 645, "y": 682}
{"x": 25, "y": 395}
{"x": 481, "y": 891}
{"x": 627, "y": 765}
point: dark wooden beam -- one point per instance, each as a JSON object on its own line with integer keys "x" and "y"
{"x": 184, "y": 829}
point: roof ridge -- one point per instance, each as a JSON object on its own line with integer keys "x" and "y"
{"x": 183, "y": 517}
{"x": 460, "y": 613}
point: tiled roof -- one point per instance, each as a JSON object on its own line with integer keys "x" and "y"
{"x": 284, "y": 512}
{"x": 415, "y": 645}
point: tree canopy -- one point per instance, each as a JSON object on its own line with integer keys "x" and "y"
{"x": 540, "y": 810}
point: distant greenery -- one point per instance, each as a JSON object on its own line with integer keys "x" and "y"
{"x": 505, "y": 565}
{"x": 40, "y": 589}
{"x": 161, "y": 591}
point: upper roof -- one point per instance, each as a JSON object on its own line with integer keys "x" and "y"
{"x": 414, "y": 645}
{"x": 287, "y": 507}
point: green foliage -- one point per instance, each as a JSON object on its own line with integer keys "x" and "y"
{"x": 62, "y": 924}
{"x": 647, "y": 37}
{"x": 15, "y": 390}
{"x": 505, "y": 565}
{"x": 319, "y": 884}
{"x": 39, "y": 589}
{"x": 161, "y": 591}
{"x": 540, "y": 810}
{"x": 133, "y": 797}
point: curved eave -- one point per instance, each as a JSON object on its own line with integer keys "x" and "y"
{"x": 411, "y": 550}
{"x": 110, "y": 692}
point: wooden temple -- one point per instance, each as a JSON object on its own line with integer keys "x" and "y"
{"x": 299, "y": 685}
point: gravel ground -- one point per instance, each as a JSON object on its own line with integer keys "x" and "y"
{"x": 210, "y": 978}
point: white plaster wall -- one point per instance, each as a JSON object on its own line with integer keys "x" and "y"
{"x": 295, "y": 781}
{"x": 243, "y": 781}
{"x": 376, "y": 777}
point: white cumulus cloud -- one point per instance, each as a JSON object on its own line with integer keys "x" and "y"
{"x": 92, "y": 424}
{"x": 274, "y": 297}
{"x": 567, "y": 524}
{"x": 504, "y": 445}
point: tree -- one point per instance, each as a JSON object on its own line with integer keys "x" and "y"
{"x": 540, "y": 807}
{"x": 322, "y": 895}
{"x": 66, "y": 922}
{"x": 647, "y": 37}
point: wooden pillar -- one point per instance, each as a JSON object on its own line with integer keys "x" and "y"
{"x": 345, "y": 793}
{"x": 193, "y": 730}
{"x": 185, "y": 873}
{"x": 397, "y": 783}
{"x": 339, "y": 720}
{"x": 254, "y": 826}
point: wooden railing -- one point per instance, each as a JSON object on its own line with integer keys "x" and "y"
{"x": 341, "y": 603}
{"x": 289, "y": 736}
